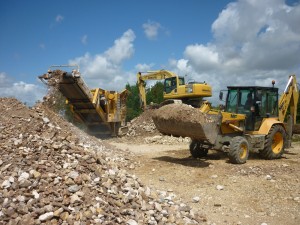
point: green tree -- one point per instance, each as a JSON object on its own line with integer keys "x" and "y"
{"x": 133, "y": 102}
{"x": 155, "y": 93}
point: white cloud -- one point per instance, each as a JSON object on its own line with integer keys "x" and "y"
{"x": 254, "y": 43}
{"x": 105, "y": 69}
{"x": 151, "y": 29}
{"x": 143, "y": 67}
{"x": 122, "y": 48}
{"x": 25, "y": 92}
{"x": 84, "y": 39}
{"x": 59, "y": 18}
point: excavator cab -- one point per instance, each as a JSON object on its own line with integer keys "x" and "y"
{"x": 255, "y": 102}
{"x": 170, "y": 84}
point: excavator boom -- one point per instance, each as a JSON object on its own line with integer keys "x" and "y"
{"x": 150, "y": 75}
{"x": 289, "y": 99}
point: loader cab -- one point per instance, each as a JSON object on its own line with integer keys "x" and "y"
{"x": 170, "y": 84}
{"x": 255, "y": 102}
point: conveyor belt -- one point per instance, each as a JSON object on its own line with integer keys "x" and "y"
{"x": 80, "y": 97}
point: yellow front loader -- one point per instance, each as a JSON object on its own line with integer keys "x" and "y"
{"x": 252, "y": 120}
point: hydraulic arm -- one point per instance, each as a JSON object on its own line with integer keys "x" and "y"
{"x": 289, "y": 98}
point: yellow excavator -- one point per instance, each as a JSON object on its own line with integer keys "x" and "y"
{"x": 175, "y": 88}
{"x": 252, "y": 120}
{"x": 102, "y": 111}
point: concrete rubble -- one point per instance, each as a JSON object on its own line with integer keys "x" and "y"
{"x": 143, "y": 130}
{"x": 53, "y": 173}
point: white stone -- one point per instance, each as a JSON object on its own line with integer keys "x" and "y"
{"x": 46, "y": 216}
{"x": 21, "y": 198}
{"x": 73, "y": 174}
{"x": 23, "y": 176}
{"x": 157, "y": 206}
{"x": 46, "y": 120}
{"x": 220, "y": 187}
{"x": 131, "y": 222}
{"x": 6, "y": 184}
{"x": 97, "y": 179}
{"x": 268, "y": 177}
{"x": 35, "y": 194}
{"x": 196, "y": 199}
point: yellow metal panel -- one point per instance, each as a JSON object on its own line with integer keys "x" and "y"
{"x": 266, "y": 125}
{"x": 230, "y": 121}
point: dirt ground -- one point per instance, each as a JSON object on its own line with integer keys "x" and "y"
{"x": 258, "y": 192}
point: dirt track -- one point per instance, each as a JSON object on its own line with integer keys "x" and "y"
{"x": 258, "y": 192}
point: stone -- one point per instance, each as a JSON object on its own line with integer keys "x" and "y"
{"x": 131, "y": 222}
{"x": 21, "y": 198}
{"x": 46, "y": 120}
{"x": 25, "y": 183}
{"x": 74, "y": 188}
{"x": 35, "y": 194}
{"x": 46, "y": 216}
{"x": 57, "y": 212}
{"x": 11, "y": 179}
{"x": 35, "y": 173}
{"x": 220, "y": 187}
{"x": 75, "y": 199}
{"x": 161, "y": 179}
{"x": 64, "y": 216}
{"x": 73, "y": 174}
{"x": 24, "y": 176}
{"x": 6, "y": 184}
{"x": 158, "y": 206}
{"x": 268, "y": 177}
{"x": 196, "y": 199}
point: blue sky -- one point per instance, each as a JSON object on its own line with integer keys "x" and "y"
{"x": 222, "y": 42}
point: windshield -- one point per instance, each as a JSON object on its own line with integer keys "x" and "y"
{"x": 170, "y": 84}
{"x": 240, "y": 101}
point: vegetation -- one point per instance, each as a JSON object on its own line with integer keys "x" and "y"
{"x": 154, "y": 94}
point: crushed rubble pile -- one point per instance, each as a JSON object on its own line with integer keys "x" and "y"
{"x": 142, "y": 125}
{"x": 52, "y": 175}
{"x": 166, "y": 140}
{"x": 143, "y": 130}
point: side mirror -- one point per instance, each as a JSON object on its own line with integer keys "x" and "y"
{"x": 221, "y": 95}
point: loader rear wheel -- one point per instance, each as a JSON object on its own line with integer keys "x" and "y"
{"x": 198, "y": 150}
{"x": 274, "y": 143}
{"x": 239, "y": 150}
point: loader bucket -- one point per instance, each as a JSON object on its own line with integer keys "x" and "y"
{"x": 186, "y": 121}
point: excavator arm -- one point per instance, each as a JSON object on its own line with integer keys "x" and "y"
{"x": 150, "y": 75}
{"x": 289, "y": 99}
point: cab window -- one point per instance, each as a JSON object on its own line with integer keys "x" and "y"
{"x": 170, "y": 84}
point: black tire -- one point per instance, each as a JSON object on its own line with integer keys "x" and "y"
{"x": 239, "y": 150}
{"x": 274, "y": 143}
{"x": 197, "y": 150}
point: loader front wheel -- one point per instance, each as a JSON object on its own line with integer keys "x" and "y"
{"x": 274, "y": 143}
{"x": 239, "y": 150}
{"x": 197, "y": 149}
